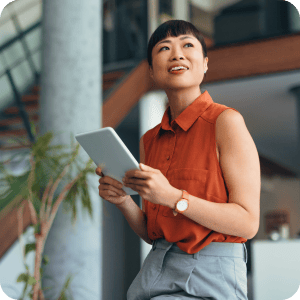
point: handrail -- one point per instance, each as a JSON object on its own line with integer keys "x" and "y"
{"x": 7, "y": 72}
{"x": 24, "y": 9}
{"x": 18, "y": 37}
{"x": 19, "y": 61}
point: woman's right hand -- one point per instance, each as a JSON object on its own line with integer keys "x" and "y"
{"x": 110, "y": 189}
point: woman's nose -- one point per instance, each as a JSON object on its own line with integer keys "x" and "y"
{"x": 177, "y": 55}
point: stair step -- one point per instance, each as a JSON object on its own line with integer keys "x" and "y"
{"x": 6, "y": 148}
{"x": 13, "y": 132}
{"x": 108, "y": 80}
{"x": 113, "y": 76}
{"x": 107, "y": 85}
{"x": 31, "y": 101}
{"x": 31, "y": 105}
{"x": 30, "y": 109}
{"x": 12, "y": 143}
{"x": 36, "y": 89}
{"x": 30, "y": 98}
{"x": 18, "y": 120}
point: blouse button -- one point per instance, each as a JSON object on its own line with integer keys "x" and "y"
{"x": 154, "y": 207}
{"x": 168, "y": 157}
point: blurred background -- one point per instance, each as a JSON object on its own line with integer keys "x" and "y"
{"x": 74, "y": 66}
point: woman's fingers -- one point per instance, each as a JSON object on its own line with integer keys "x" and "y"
{"x": 110, "y": 184}
{"x": 99, "y": 172}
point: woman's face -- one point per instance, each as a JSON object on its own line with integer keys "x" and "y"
{"x": 184, "y": 50}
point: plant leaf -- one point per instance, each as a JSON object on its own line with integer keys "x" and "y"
{"x": 37, "y": 228}
{"x": 29, "y": 247}
{"x": 31, "y": 280}
{"x": 22, "y": 277}
{"x": 62, "y": 295}
{"x": 45, "y": 259}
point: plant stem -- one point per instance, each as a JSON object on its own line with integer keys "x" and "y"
{"x": 37, "y": 265}
{"x": 45, "y": 195}
{"x": 45, "y": 228}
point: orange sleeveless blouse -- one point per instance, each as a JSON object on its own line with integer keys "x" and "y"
{"x": 185, "y": 152}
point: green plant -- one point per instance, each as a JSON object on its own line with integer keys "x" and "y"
{"x": 48, "y": 167}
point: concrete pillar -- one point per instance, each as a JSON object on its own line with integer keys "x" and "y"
{"x": 71, "y": 102}
{"x": 153, "y": 16}
{"x": 181, "y": 10}
{"x": 151, "y": 111}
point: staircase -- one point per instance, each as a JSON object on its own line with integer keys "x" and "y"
{"x": 12, "y": 125}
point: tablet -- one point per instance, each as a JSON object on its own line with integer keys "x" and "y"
{"x": 108, "y": 152}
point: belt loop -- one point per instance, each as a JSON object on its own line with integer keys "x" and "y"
{"x": 154, "y": 245}
{"x": 195, "y": 255}
{"x": 246, "y": 253}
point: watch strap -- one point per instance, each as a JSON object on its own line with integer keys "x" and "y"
{"x": 185, "y": 196}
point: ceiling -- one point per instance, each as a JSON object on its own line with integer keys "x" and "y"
{"x": 213, "y": 5}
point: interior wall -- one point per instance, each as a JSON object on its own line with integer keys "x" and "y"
{"x": 280, "y": 193}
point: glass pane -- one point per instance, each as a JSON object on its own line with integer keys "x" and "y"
{"x": 124, "y": 30}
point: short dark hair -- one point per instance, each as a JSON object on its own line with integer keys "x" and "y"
{"x": 174, "y": 28}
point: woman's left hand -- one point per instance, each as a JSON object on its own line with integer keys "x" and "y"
{"x": 151, "y": 185}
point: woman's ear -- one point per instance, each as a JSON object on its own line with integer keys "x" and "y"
{"x": 151, "y": 72}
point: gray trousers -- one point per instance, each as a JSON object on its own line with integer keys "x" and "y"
{"x": 217, "y": 272}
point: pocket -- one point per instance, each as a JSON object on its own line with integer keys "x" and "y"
{"x": 207, "y": 280}
{"x": 191, "y": 180}
{"x": 241, "y": 278}
{"x": 175, "y": 272}
{"x": 227, "y": 267}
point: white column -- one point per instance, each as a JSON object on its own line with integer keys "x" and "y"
{"x": 151, "y": 111}
{"x": 71, "y": 102}
{"x": 181, "y": 10}
{"x": 153, "y": 17}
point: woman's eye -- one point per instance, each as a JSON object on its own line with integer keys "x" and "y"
{"x": 168, "y": 47}
{"x": 163, "y": 47}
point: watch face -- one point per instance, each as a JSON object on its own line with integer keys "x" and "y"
{"x": 182, "y": 205}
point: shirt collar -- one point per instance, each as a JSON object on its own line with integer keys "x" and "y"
{"x": 188, "y": 117}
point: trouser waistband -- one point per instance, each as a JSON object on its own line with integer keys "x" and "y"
{"x": 214, "y": 249}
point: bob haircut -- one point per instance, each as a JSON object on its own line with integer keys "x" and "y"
{"x": 174, "y": 28}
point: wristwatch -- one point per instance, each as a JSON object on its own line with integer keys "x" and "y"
{"x": 182, "y": 204}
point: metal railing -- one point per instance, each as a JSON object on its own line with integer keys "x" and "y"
{"x": 127, "y": 27}
{"x": 20, "y": 37}
{"x": 7, "y": 72}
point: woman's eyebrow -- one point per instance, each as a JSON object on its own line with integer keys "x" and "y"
{"x": 168, "y": 41}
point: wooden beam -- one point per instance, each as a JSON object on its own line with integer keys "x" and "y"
{"x": 123, "y": 100}
{"x": 253, "y": 58}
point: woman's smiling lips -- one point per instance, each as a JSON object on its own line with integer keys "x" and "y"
{"x": 178, "y": 71}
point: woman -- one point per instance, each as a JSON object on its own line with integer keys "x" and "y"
{"x": 200, "y": 182}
